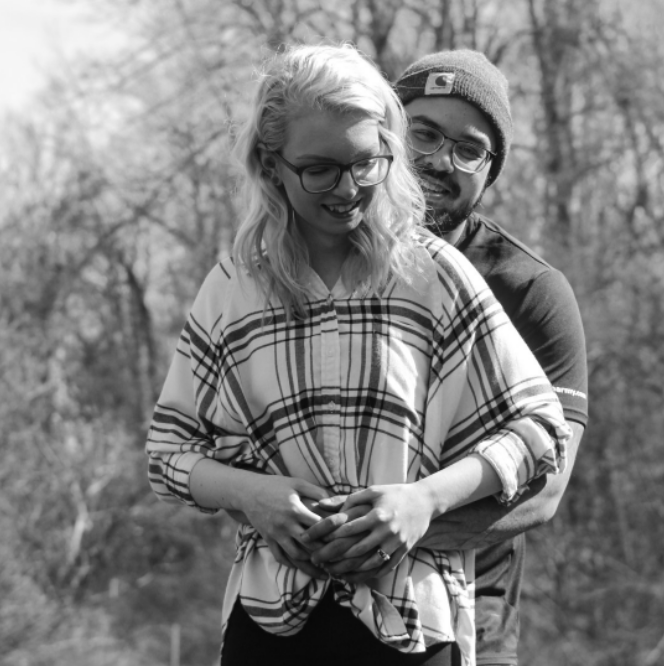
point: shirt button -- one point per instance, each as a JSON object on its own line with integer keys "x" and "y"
{"x": 330, "y": 351}
{"x": 331, "y": 406}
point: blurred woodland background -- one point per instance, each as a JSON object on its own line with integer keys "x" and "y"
{"x": 118, "y": 196}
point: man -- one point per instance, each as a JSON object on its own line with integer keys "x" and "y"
{"x": 460, "y": 134}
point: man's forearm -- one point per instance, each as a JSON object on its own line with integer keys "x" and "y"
{"x": 480, "y": 524}
{"x": 487, "y": 522}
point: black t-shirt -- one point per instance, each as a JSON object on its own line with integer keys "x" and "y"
{"x": 540, "y": 302}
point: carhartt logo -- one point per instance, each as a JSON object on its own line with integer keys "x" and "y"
{"x": 439, "y": 83}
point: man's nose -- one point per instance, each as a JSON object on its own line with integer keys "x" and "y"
{"x": 441, "y": 160}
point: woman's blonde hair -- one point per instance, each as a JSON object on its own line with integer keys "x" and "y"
{"x": 338, "y": 79}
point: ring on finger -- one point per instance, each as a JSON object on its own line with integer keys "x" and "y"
{"x": 383, "y": 555}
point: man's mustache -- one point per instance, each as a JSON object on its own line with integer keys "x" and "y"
{"x": 443, "y": 178}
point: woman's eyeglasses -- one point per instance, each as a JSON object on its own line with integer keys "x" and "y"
{"x": 317, "y": 178}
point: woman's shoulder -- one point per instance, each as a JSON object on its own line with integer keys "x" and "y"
{"x": 453, "y": 282}
{"x": 443, "y": 256}
{"x": 223, "y": 271}
{"x": 226, "y": 274}
{"x": 224, "y": 288}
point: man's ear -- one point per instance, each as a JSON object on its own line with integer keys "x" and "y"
{"x": 269, "y": 164}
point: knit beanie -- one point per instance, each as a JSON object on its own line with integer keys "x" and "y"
{"x": 470, "y": 76}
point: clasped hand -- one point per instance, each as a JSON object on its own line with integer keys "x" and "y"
{"x": 339, "y": 536}
{"x": 392, "y": 518}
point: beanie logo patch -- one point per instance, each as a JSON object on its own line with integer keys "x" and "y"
{"x": 439, "y": 83}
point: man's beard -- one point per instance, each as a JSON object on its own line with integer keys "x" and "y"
{"x": 446, "y": 220}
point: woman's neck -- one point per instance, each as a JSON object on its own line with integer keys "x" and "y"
{"x": 328, "y": 262}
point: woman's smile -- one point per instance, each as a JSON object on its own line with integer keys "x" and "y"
{"x": 343, "y": 211}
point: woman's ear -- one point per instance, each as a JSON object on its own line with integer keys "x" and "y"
{"x": 269, "y": 164}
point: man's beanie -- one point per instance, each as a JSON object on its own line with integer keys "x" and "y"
{"x": 470, "y": 76}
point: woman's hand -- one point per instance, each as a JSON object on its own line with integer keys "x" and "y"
{"x": 276, "y": 506}
{"x": 392, "y": 518}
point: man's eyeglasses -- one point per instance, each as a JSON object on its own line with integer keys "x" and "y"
{"x": 427, "y": 139}
{"x": 318, "y": 178}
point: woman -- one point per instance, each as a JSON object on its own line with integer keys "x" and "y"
{"x": 344, "y": 351}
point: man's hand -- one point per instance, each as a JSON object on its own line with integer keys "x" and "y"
{"x": 321, "y": 539}
{"x": 329, "y": 552}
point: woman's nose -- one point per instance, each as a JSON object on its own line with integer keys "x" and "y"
{"x": 346, "y": 188}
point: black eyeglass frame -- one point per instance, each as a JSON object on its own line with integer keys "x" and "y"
{"x": 342, "y": 170}
{"x": 489, "y": 153}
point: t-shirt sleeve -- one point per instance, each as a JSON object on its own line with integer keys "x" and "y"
{"x": 548, "y": 318}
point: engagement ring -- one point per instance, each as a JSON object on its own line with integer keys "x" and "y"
{"x": 385, "y": 557}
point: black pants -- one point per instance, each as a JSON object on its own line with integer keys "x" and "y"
{"x": 332, "y": 636}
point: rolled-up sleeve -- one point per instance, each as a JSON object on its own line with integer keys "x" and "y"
{"x": 504, "y": 407}
{"x": 522, "y": 452}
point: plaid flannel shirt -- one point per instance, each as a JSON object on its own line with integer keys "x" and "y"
{"x": 372, "y": 390}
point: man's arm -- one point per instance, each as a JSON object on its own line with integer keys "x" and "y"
{"x": 547, "y": 316}
{"x": 479, "y": 524}
{"x": 486, "y": 522}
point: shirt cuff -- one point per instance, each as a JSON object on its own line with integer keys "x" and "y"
{"x": 176, "y": 476}
{"x": 521, "y": 454}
